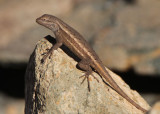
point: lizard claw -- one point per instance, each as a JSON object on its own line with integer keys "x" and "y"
{"x": 49, "y": 53}
{"x": 86, "y": 76}
{"x": 95, "y": 78}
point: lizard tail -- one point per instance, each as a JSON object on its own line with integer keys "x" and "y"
{"x": 109, "y": 79}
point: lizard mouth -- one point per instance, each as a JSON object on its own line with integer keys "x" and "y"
{"x": 39, "y": 20}
{"x": 42, "y": 21}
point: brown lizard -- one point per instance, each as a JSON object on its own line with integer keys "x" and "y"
{"x": 78, "y": 45}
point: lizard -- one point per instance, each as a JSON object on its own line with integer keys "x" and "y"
{"x": 89, "y": 60}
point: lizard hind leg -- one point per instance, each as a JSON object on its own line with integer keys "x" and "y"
{"x": 84, "y": 65}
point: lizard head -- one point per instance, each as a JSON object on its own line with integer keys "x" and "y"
{"x": 48, "y": 21}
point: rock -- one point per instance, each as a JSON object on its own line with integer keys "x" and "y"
{"x": 54, "y": 87}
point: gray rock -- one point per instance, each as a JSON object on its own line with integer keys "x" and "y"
{"x": 55, "y": 87}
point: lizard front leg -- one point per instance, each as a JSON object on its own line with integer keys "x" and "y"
{"x": 84, "y": 65}
{"x": 54, "y": 47}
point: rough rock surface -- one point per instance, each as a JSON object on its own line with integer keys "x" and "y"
{"x": 55, "y": 87}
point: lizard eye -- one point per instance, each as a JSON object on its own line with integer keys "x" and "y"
{"x": 44, "y": 19}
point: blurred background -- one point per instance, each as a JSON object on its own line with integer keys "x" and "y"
{"x": 124, "y": 33}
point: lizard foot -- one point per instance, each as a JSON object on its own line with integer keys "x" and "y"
{"x": 86, "y": 76}
{"x": 49, "y": 53}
